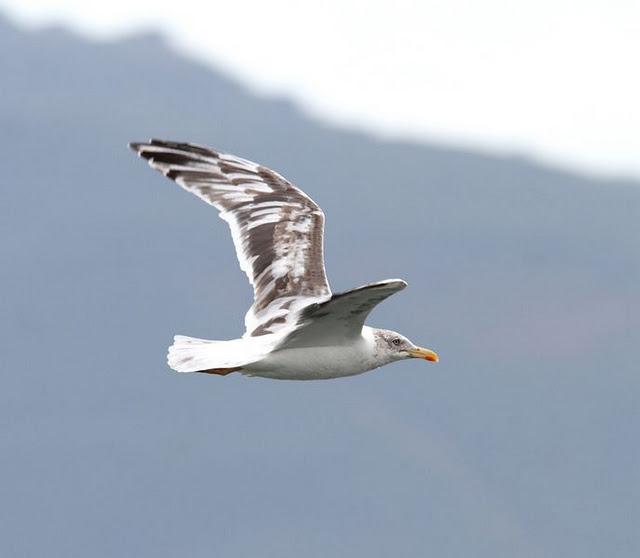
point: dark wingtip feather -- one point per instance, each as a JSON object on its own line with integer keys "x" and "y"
{"x": 168, "y": 143}
{"x": 136, "y": 146}
{"x": 198, "y": 149}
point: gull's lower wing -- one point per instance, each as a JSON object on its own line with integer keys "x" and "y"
{"x": 341, "y": 317}
{"x": 276, "y": 228}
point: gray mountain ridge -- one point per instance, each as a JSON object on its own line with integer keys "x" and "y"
{"x": 522, "y": 441}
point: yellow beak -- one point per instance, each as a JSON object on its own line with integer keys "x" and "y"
{"x": 426, "y": 354}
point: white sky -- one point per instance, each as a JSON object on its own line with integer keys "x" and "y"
{"x": 556, "y": 79}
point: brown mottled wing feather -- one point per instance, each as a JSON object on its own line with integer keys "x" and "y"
{"x": 276, "y": 228}
{"x": 341, "y": 317}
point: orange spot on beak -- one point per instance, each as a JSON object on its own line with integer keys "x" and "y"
{"x": 426, "y": 354}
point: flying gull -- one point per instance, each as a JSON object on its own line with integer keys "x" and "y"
{"x": 296, "y": 328}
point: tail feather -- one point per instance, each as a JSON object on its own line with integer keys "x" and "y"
{"x": 189, "y": 354}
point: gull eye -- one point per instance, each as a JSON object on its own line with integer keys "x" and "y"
{"x": 396, "y": 341}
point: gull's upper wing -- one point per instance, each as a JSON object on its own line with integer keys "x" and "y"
{"x": 276, "y": 228}
{"x": 341, "y": 317}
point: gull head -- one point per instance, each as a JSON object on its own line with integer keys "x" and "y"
{"x": 392, "y": 346}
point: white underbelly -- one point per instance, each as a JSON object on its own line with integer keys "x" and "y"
{"x": 314, "y": 363}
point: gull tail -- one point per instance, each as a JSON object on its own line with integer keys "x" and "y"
{"x": 188, "y": 354}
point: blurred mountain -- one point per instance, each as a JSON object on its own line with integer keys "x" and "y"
{"x": 523, "y": 441}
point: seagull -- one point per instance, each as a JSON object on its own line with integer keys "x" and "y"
{"x": 296, "y": 328}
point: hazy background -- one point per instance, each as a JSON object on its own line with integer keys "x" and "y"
{"x": 555, "y": 79}
{"x": 522, "y": 441}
